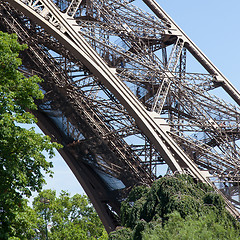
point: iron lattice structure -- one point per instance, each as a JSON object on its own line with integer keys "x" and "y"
{"x": 124, "y": 97}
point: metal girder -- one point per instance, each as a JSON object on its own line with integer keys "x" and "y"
{"x": 197, "y": 53}
{"x": 128, "y": 111}
{"x": 61, "y": 27}
{"x": 85, "y": 174}
{"x": 73, "y": 7}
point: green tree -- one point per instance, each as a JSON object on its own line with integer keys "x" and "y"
{"x": 175, "y": 208}
{"x": 207, "y": 226}
{"x": 69, "y": 217}
{"x": 22, "y": 163}
{"x": 24, "y": 225}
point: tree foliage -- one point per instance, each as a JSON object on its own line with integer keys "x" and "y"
{"x": 175, "y": 207}
{"x": 69, "y": 217}
{"x": 24, "y": 225}
{"x": 22, "y": 163}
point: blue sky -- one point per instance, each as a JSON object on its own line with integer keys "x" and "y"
{"x": 214, "y": 26}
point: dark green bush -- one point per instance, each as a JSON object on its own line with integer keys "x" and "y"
{"x": 176, "y": 207}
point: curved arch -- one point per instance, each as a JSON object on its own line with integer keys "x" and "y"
{"x": 82, "y": 50}
{"x": 64, "y": 28}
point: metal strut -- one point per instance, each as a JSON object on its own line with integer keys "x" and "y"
{"x": 125, "y": 112}
{"x": 197, "y": 53}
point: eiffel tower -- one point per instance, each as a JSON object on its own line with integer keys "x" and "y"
{"x": 123, "y": 98}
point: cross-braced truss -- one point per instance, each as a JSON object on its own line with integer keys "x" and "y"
{"x": 123, "y": 99}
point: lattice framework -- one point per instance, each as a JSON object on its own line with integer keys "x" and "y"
{"x": 148, "y": 53}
